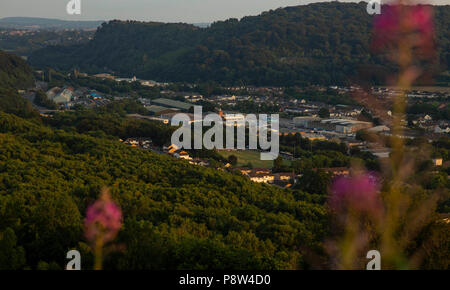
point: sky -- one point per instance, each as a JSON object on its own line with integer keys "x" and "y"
{"x": 191, "y": 11}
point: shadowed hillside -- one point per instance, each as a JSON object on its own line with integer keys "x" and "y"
{"x": 323, "y": 43}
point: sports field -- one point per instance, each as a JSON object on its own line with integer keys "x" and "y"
{"x": 246, "y": 156}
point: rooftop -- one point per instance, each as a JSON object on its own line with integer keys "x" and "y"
{"x": 173, "y": 103}
{"x": 156, "y": 108}
{"x": 344, "y": 122}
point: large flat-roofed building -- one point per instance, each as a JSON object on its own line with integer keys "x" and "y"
{"x": 345, "y": 126}
{"x": 303, "y": 122}
{"x": 159, "y": 110}
{"x": 342, "y": 125}
{"x": 172, "y": 104}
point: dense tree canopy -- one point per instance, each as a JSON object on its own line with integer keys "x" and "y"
{"x": 14, "y": 72}
{"x": 174, "y": 212}
{"x": 322, "y": 43}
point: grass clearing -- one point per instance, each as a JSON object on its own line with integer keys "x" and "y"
{"x": 249, "y": 156}
{"x": 246, "y": 156}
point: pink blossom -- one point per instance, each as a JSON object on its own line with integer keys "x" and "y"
{"x": 360, "y": 192}
{"x": 103, "y": 219}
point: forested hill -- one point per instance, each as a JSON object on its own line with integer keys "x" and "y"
{"x": 14, "y": 72}
{"x": 317, "y": 43}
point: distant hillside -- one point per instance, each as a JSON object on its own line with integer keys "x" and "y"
{"x": 322, "y": 43}
{"x": 44, "y": 23}
{"x": 24, "y": 43}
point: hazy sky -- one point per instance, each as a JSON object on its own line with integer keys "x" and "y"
{"x": 151, "y": 10}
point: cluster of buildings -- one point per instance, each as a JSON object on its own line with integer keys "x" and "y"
{"x": 147, "y": 83}
{"x": 415, "y": 94}
{"x": 174, "y": 151}
{"x": 163, "y": 109}
{"x": 427, "y": 123}
{"x": 284, "y": 179}
{"x": 285, "y": 105}
{"x": 143, "y": 143}
{"x": 68, "y": 97}
{"x": 16, "y": 32}
{"x": 311, "y": 126}
{"x": 263, "y": 175}
{"x": 140, "y": 142}
{"x": 269, "y": 91}
{"x": 192, "y": 97}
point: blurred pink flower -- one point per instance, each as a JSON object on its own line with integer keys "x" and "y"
{"x": 103, "y": 219}
{"x": 396, "y": 21}
{"x": 420, "y": 18}
{"x": 388, "y": 20}
{"x": 360, "y": 192}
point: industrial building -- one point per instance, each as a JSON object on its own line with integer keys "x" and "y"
{"x": 344, "y": 126}
{"x": 168, "y": 103}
